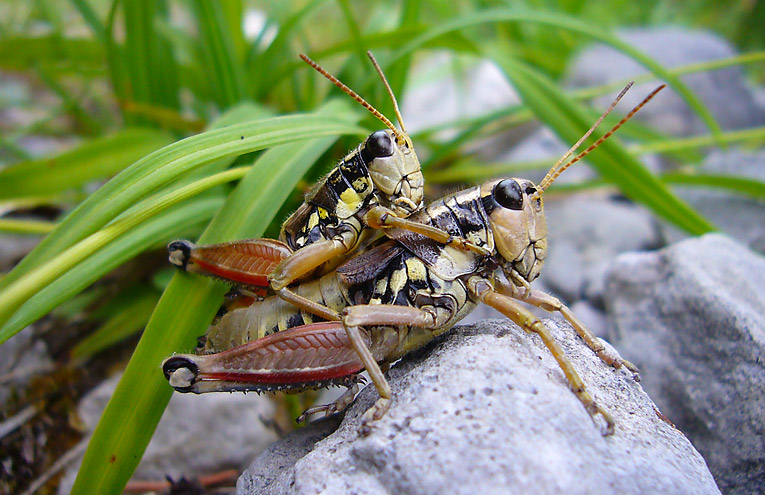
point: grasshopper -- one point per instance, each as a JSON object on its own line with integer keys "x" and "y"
{"x": 376, "y": 185}
{"x": 397, "y": 296}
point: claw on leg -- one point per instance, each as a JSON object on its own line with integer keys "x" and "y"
{"x": 337, "y": 406}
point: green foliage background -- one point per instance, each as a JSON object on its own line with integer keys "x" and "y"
{"x": 198, "y": 128}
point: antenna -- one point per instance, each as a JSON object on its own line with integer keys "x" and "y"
{"x": 390, "y": 91}
{"x": 353, "y": 94}
{"x": 556, "y": 170}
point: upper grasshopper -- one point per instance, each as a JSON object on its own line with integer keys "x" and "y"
{"x": 397, "y": 296}
{"x": 376, "y": 185}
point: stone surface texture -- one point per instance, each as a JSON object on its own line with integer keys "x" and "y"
{"x": 198, "y": 434}
{"x": 485, "y": 409}
{"x": 692, "y": 317}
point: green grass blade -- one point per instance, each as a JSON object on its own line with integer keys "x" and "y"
{"x": 158, "y": 230}
{"x": 224, "y": 70}
{"x": 18, "y": 292}
{"x": 739, "y": 185}
{"x": 571, "y": 24}
{"x": 137, "y": 405}
{"x": 25, "y": 227}
{"x": 23, "y": 52}
{"x": 613, "y": 162}
{"x": 96, "y": 159}
{"x": 131, "y": 317}
{"x": 169, "y": 163}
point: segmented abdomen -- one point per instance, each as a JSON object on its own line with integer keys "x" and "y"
{"x": 243, "y": 325}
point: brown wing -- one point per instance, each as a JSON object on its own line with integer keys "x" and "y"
{"x": 369, "y": 264}
{"x": 247, "y": 262}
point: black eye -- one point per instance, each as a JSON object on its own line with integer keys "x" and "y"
{"x": 378, "y": 144}
{"x": 508, "y": 194}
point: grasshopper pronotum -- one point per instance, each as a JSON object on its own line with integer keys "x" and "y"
{"x": 397, "y": 296}
{"x": 376, "y": 185}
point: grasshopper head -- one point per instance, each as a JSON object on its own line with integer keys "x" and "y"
{"x": 395, "y": 171}
{"x": 516, "y": 215}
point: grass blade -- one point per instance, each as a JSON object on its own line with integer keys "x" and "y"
{"x": 571, "y": 24}
{"x": 96, "y": 159}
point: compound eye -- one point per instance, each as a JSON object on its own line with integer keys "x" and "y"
{"x": 508, "y": 194}
{"x": 378, "y": 145}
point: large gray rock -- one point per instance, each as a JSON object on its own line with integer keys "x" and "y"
{"x": 724, "y": 91}
{"x": 692, "y": 317}
{"x": 198, "y": 434}
{"x": 487, "y": 410}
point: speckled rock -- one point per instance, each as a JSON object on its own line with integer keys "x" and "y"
{"x": 692, "y": 316}
{"x": 486, "y": 409}
{"x": 198, "y": 434}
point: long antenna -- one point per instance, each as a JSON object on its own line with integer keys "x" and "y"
{"x": 605, "y": 136}
{"x": 390, "y": 91}
{"x": 352, "y": 93}
{"x": 554, "y": 170}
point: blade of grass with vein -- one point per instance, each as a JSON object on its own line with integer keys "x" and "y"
{"x": 169, "y": 163}
{"x": 613, "y": 162}
{"x": 21, "y": 290}
{"x": 571, "y": 24}
{"x": 141, "y": 396}
{"x": 160, "y": 229}
{"x": 99, "y": 158}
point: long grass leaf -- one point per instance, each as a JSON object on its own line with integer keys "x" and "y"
{"x": 96, "y": 159}
{"x": 568, "y": 23}
{"x": 218, "y": 45}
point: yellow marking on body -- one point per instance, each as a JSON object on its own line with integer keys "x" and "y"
{"x": 398, "y": 280}
{"x": 313, "y": 221}
{"x": 323, "y": 213}
{"x": 360, "y": 184}
{"x": 382, "y": 284}
{"x": 416, "y": 269}
{"x": 350, "y": 198}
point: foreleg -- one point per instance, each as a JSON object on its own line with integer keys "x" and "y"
{"x": 549, "y": 303}
{"x": 484, "y": 292}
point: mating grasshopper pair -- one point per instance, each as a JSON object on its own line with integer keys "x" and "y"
{"x": 333, "y": 317}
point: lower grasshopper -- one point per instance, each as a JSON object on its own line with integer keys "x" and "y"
{"x": 396, "y": 297}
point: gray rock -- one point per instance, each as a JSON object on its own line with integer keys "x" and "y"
{"x": 484, "y": 409}
{"x": 585, "y": 233}
{"x": 739, "y": 215}
{"x": 22, "y": 357}
{"x": 723, "y": 91}
{"x": 198, "y": 434}
{"x": 692, "y": 317}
